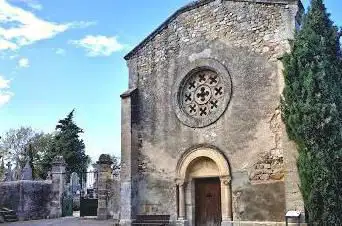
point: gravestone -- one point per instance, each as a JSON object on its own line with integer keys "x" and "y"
{"x": 2, "y": 170}
{"x": 75, "y": 183}
{"x": 17, "y": 172}
{"x": 8, "y": 173}
{"x": 26, "y": 173}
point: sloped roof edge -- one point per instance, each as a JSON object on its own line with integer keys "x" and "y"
{"x": 191, "y": 6}
{"x": 188, "y": 7}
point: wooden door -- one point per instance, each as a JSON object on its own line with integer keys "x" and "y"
{"x": 208, "y": 202}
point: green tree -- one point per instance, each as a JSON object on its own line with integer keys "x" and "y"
{"x": 40, "y": 149}
{"x": 67, "y": 143}
{"x": 14, "y": 143}
{"x": 19, "y": 145}
{"x": 312, "y": 112}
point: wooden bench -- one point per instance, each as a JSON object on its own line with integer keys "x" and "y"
{"x": 152, "y": 220}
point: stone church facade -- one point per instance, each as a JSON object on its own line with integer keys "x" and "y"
{"x": 202, "y": 136}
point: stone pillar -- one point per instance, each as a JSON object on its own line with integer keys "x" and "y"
{"x": 58, "y": 186}
{"x": 181, "y": 201}
{"x": 128, "y": 159}
{"x": 181, "y": 221}
{"x": 104, "y": 177}
{"x": 226, "y": 201}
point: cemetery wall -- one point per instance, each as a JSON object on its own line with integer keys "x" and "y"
{"x": 30, "y": 199}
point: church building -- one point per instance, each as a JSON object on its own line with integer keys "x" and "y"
{"x": 202, "y": 137}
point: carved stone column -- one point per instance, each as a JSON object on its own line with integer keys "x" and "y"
{"x": 58, "y": 185}
{"x": 182, "y": 215}
{"x": 104, "y": 177}
{"x": 181, "y": 201}
{"x": 226, "y": 200}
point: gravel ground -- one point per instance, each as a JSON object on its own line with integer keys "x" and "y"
{"x": 65, "y": 221}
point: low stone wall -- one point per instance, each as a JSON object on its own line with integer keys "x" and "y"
{"x": 30, "y": 199}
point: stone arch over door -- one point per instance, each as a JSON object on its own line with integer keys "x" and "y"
{"x": 189, "y": 167}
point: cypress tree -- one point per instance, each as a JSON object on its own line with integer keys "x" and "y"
{"x": 312, "y": 112}
{"x": 68, "y": 144}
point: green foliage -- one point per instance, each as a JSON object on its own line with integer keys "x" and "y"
{"x": 19, "y": 145}
{"x": 312, "y": 112}
{"x": 14, "y": 143}
{"x": 67, "y": 143}
{"x": 40, "y": 148}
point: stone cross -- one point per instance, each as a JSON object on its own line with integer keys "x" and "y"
{"x": 48, "y": 177}
{"x": 9, "y": 165}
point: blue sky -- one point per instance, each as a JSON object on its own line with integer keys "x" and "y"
{"x": 60, "y": 55}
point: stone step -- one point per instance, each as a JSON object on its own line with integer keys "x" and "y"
{"x": 8, "y": 215}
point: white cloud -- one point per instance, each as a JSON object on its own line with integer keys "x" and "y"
{"x": 36, "y": 6}
{"x": 24, "y": 62}
{"x": 13, "y": 56}
{"x": 4, "y": 45}
{"x": 60, "y": 51}
{"x": 5, "y": 97}
{"x": 99, "y": 45}
{"x": 25, "y": 28}
{"x": 4, "y": 83}
{"x": 33, "y": 4}
{"x": 29, "y": 28}
{"x": 81, "y": 24}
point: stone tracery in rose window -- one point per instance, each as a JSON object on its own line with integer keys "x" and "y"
{"x": 202, "y": 94}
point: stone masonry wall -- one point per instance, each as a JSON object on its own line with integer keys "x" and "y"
{"x": 246, "y": 37}
{"x": 114, "y": 199}
{"x": 30, "y": 199}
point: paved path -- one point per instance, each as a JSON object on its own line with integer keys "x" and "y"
{"x": 65, "y": 221}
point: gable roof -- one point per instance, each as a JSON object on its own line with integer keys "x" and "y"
{"x": 191, "y": 6}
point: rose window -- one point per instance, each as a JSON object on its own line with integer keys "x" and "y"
{"x": 202, "y": 94}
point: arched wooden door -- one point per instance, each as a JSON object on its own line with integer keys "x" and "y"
{"x": 203, "y": 174}
{"x": 208, "y": 202}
